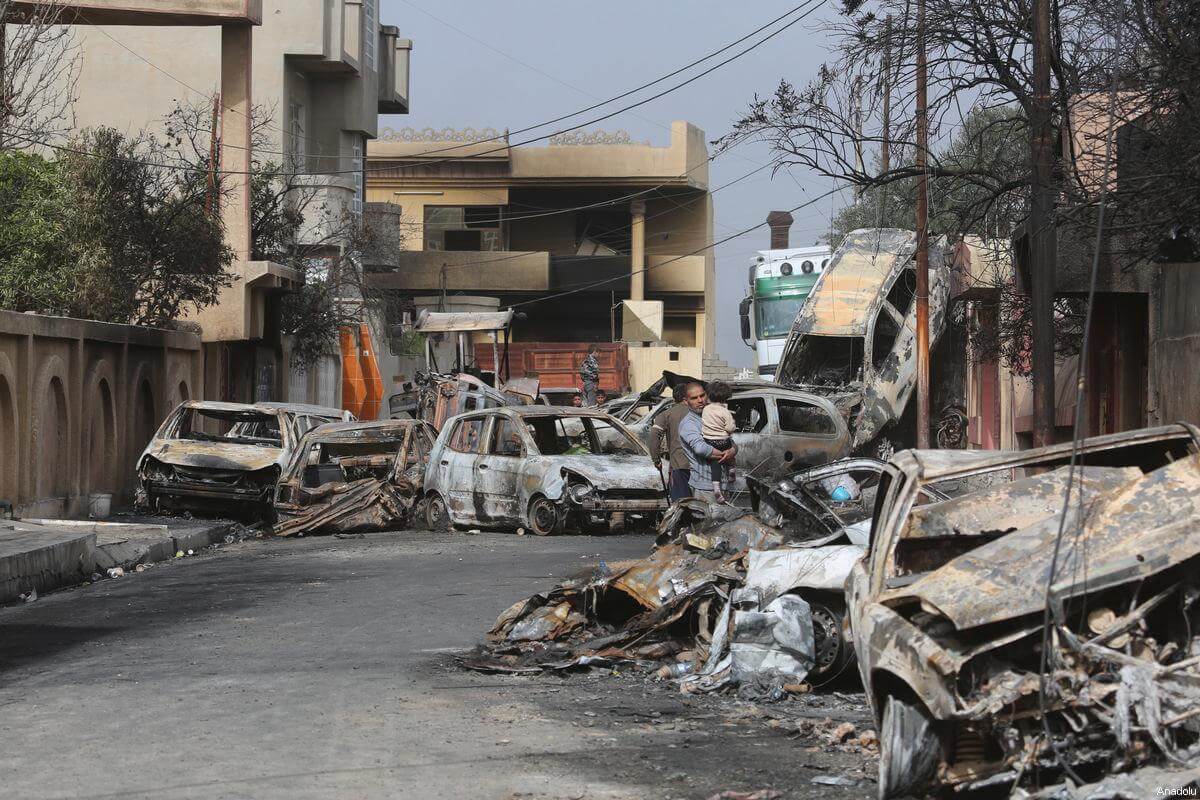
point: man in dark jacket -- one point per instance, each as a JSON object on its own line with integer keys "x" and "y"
{"x": 589, "y": 373}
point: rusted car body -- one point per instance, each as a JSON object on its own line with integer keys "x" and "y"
{"x": 541, "y": 467}
{"x": 855, "y": 336}
{"x": 947, "y": 611}
{"x": 353, "y": 476}
{"x": 435, "y": 398}
{"x": 779, "y": 430}
{"x": 207, "y": 455}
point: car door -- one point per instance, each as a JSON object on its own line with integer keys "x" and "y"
{"x": 498, "y": 470}
{"x": 758, "y": 452}
{"x": 456, "y": 468}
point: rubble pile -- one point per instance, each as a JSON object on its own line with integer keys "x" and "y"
{"x": 692, "y": 610}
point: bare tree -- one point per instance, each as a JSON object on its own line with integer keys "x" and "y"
{"x": 39, "y": 68}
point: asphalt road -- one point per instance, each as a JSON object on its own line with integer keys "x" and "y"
{"x": 321, "y": 668}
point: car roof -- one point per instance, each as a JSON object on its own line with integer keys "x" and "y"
{"x": 536, "y": 411}
{"x": 333, "y": 431}
{"x": 934, "y": 465}
{"x": 304, "y": 408}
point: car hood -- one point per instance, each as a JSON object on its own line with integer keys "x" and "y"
{"x": 214, "y": 455}
{"x": 1132, "y": 531}
{"x": 611, "y": 472}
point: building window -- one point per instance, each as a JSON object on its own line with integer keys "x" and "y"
{"x": 473, "y": 228}
{"x": 296, "y": 150}
{"x": 356, "y": 205}
{"x": 371, "y": 34}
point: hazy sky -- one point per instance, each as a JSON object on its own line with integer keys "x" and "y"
{"x": 603, "y": 49}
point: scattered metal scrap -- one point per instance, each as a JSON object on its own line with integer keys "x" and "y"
{"x": 725, "y": 600}
{"x": 947, "y": 615}
{"x": 349, "y": 477}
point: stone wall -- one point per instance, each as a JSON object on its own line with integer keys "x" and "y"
{"x": 79, "y": 400}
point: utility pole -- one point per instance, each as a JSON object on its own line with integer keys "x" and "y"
{"x": 922, "y": 234}
{"x": 859, "y": 162}
{"x": 1040, "y": 230}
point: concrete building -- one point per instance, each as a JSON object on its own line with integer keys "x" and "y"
{"x": 596, "y": 215}
{"x": 321, "y": 70}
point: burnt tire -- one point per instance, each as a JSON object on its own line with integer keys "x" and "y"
{"x": 437, "y": 516}
{"x": 909, "y": 749}
{"x": 834, "y": 654}
{"x": 544, "y": 517}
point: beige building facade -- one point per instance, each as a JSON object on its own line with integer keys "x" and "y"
{"x": 314, "y": 75}
{"x": 565, "y": 231}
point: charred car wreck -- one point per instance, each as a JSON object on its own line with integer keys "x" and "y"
{"x": 947, "y": 613}
{"x": 854, "y": 339}
{"x": 209, "y": 455}
{"x": 354, "y": 476}
{"x": 543, "y": 468}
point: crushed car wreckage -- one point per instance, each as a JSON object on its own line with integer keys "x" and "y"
{"x": 207, "y": 455}
{"x": 947, "y": 614}
{"x": 356, "y": 476}
{"x": 727, "y": 599}
{"x": 854, "y": 338}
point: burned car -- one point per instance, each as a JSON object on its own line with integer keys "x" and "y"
{"x": 207, "y": 455}
{"x": 825, "y": 513}
{"x": 354, "y": 476}
{"x": 543, "y": 468}
{"x": 854, "y": 339}
{"x": 969, "y": 685}
{"x": 778, "y": 429}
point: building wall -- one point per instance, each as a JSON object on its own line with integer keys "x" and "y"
{"x": 1174, "y": 391}
{"x": 79, "y": 400}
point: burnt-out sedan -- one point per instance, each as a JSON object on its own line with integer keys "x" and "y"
{"x": 543, "y": 468}
{"x": 354, "y": 476}
{"x": 212, "y": 456}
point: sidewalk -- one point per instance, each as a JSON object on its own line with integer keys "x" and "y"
{"x": 49, "y": 554}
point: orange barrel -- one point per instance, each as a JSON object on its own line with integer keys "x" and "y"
{"x": 372, "y": 380}
{"x": 354, "y": 390}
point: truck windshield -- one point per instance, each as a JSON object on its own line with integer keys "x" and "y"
{"x": 774, "y": 316}
{"x": 824, "y": 360}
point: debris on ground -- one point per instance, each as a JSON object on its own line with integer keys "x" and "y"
{"x": 697, "y": 610}
{"x": 761, "y": 794}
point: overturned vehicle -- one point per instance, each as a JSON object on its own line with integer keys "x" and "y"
{"x": 854, "y": 339}
{"x": 354, "y": 476}
{"x": 434, "y": 397}
{"x": 543, "y": 468}
{"x": 209, "y": 456}
{"x": 972, "y": 685}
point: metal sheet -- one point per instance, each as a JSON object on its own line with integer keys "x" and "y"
{"x": 455, "y": 322}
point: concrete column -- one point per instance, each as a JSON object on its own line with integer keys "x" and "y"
{"x": 236, "y": 73}
{"x": 637, "y": 251}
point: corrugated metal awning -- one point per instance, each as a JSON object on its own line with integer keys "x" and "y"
{"x": 453, "y": 322}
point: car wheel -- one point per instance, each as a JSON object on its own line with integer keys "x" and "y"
{"x": 544, "y": 517}
{"x": 833, "y": 653}
{"x": 417, "y": 515}
{"x": 909, "y": 749}
{"x": 437, "y": 516}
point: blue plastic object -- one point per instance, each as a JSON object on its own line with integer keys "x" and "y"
{"x": 840, "y": 494}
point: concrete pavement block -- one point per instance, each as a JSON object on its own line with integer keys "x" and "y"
{"x": 43, "y": 559}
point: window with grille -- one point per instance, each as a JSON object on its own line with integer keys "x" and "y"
{"x": 296, "y": 152}
{"x": 475, "y": 228}
{"x": 371, "y": 32}
{"x": 356, "y": 205}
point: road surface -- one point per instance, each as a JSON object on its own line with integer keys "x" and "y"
{"x": 322, "y": 668}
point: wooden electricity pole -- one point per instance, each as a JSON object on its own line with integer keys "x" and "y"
{"x": 1040, "y": 230}
{"x": 922, "y": 235}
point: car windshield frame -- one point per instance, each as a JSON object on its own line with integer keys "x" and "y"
{"x": 234, "y": 418}
{"x": 587, "y": 425}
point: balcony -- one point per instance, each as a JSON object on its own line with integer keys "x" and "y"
{"x": 538, "y": 271}
{"x": 500, "y": 271}
{"x": 154, "y": 12}
{"x": 394, "y": 55}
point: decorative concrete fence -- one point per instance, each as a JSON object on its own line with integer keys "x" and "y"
{"x": 79, "y": 400}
